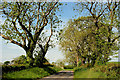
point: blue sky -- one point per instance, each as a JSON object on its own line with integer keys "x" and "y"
{"x": 10, "y": 51}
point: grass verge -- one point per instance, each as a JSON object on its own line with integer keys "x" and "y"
{"x": 110, "y": 70}
{"x": 31, "y": 73}
{"x": 88, "y": 73}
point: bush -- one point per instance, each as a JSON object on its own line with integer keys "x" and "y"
{"x": 9, "y": 68}
{"x": 31, "y": 73}
{"x": 81, "y": 68}
{"x": 68, "y": 67}
{"x": 110, "y": 70}
{"x": 6, "y": 62}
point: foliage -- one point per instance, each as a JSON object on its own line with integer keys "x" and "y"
{"x": 6, "y": 62}
{"x": 31, "y": 73}
{"x": 60, "y": 63}
{"x": 68, "y": 67}
{"x": 105, "y": 13}
{"x": 12, "y": 68}
{"x": 91, "y": 38}
{"x": 20, "y": 60}
{"x": 110, "y": 70}
{"x": 81, "y": 68}
{"x": 37, "y": 61}
{"x": 25, "y": 22}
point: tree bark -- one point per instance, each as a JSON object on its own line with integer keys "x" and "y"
{"x": 77, "y": 61}
{"x": 30, "y": 58}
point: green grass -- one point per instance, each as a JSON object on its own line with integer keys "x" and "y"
{"x": 88, "y": 73}
{"x": 110, "y": 70}
{"x": 32, "y": 73}
{"x": 113, "y": 62}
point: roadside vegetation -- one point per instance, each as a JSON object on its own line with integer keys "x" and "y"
{"x": 31, "y": 73}
{"x": 110, "y": 70}
{"x": 20, "y": 69}
{"x": 89, "y": 41}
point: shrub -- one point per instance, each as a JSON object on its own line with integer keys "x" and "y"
{"x": 68, "y": 67}
{"x": 31, "y": 73}
{"x": 110, "y": 70}
{"x": 81, "y": 68}
{"x": 6, "y": 62}
{"x": 12, "y": 68}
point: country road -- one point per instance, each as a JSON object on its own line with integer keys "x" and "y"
{"x": 62, "y": 75}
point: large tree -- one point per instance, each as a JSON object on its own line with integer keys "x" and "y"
{"x": 78, "y": 40}
{"x": 73, "y": 40}
{"x": 25, "y": 22}
{"x": 105, "y": 12}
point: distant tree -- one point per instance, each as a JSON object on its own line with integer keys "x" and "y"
{"x": 20, "y": 60}
{"x": 6, "y": 62}
{"x": 60, "y": 63}
{"x": 53, "y": 63}
{"x": 74, "y": 37}
{"x": 80, "y": 41}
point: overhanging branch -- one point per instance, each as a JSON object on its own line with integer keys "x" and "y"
{"x": 115, "y": 39}
{"x": 11, "y": 40}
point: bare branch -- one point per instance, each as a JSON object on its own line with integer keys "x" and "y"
{"x": 115, "y": 39}
{"x": 38, "y": 15}
{"x": 90, "y": 10}
{"x": 91, "y": 5}
{"x": 41, "y": 48}
{"x": 25, "y": 29}
{"x": 11, "y": 40}
{"x": 101, "y": 12}
{"x": 51, "y": 8}
{"x": 47, "y": 43}
{"x": 24, "y": 42}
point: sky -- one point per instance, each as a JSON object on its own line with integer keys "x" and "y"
{"x": 9, "y": 51}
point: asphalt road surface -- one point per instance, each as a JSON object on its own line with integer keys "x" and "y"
{"x": 62, "y": 75}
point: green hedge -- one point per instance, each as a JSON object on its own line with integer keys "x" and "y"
{"x": 31, "y": 73}
{"x": 81, "y": 68}
{"x": 9, "y": 68}
{"x": 68, "y": 67}
{"x": 111, "y": 70}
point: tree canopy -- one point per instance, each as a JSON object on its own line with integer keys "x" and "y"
{"x": 25, "y": 22}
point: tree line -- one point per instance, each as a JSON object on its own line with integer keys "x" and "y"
{"x": 88, "y": 38}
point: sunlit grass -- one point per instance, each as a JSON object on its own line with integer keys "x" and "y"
{"x": 108, "y": 70}
{"x": 88, "y": 73}
{"x": 32, "y": 73}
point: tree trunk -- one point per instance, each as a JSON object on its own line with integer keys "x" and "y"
{"x": 88, "y": 61}
{"x": 77, "y": 61}
{"x": 30, "y": 58}
{"x": 83, "y": 61}
{"x": 40, "y": 59}
{"x": 93, "y": 60}
{"x": 93, "y": 63}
